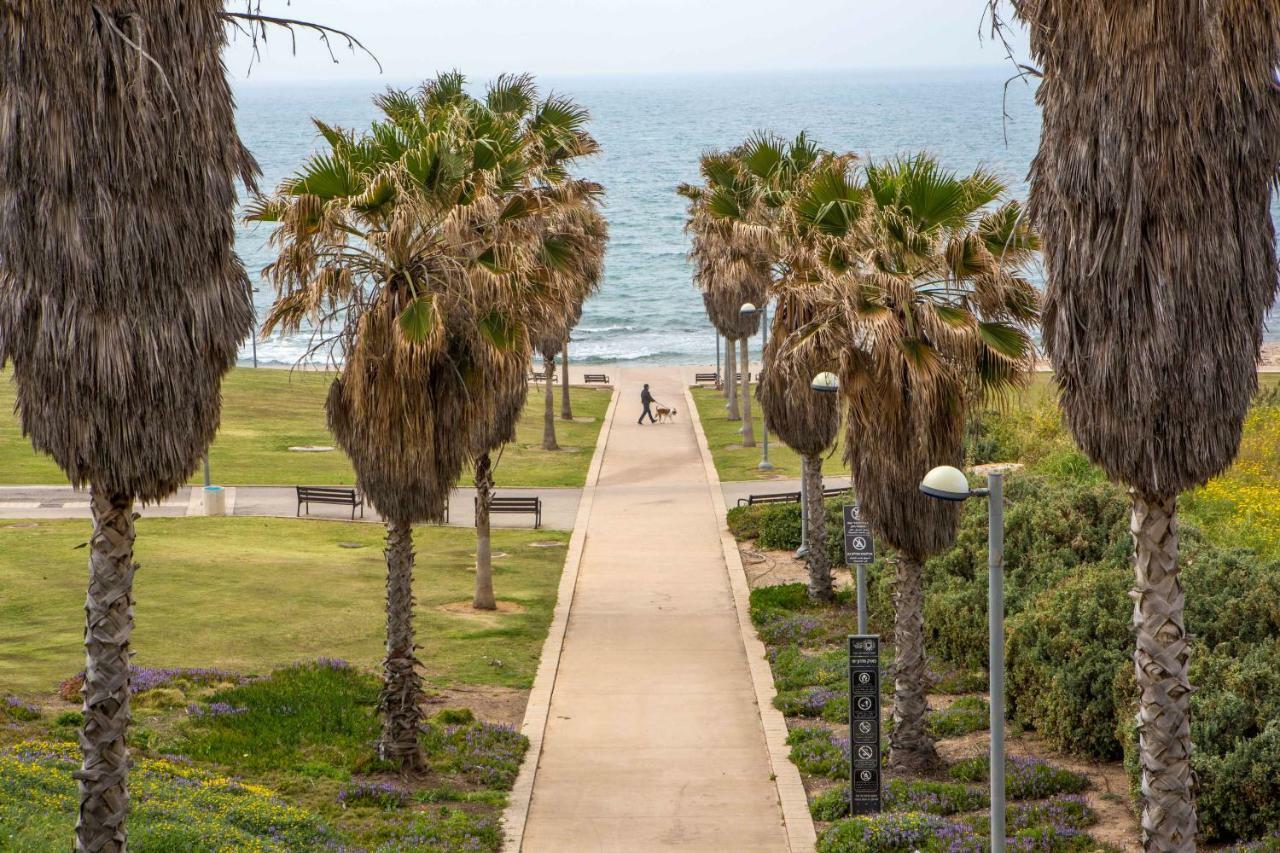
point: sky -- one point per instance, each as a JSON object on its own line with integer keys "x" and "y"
{"x": 415, "y": 38}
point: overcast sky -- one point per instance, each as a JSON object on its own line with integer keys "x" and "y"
{"x": 414, "y": 38}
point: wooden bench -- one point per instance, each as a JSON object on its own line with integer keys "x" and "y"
{"x": 540, "y": 375}
{"x": 790, "y": 497}
{"x": 330, "y": 495}
{"x": 596, "y": 379}
{"x": 738, "y": 377}
{"x": 703, "y": 378}
{"x": 516, "y": 505}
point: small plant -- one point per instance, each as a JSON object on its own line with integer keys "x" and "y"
{"x": 831, "y": 804}
{"x": 783, "y": 629}
{"x": 956, "y": 682}
{"x": 483, "y": 753}
{"x": 74, "y": 719}
{"x": 454, "y": 717}
{"x": 966, "y": 714}
{"x": 383, "y": 795}
{"x": 897, "y": 832}
{"x": 15, "y": 709}
{"x": 806, "y": 702}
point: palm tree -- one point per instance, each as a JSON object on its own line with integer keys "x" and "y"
{"x": 1152, "y": 188}
{"x": 732, "y": 262}
{"x": 931, "y": 313}
{"x": 416, "y": 239}
{"x": 823, "y": 209}
{"x": 122, "y": 302}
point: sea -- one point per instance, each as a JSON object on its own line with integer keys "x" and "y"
{"x": 652, "y": 130}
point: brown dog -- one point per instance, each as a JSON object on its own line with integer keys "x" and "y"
{"x": 666, "y": 414}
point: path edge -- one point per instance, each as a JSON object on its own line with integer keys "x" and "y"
{"x": 516, "y": 815}
{"x": 802, "y": 837}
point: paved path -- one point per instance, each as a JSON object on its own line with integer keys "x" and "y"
{"x": 653, "y": 740}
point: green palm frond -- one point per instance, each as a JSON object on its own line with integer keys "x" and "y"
{"x": 326, "y": 176}
{"x": 512, "y": 94}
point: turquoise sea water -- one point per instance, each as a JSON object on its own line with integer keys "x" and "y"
{"x": 652, "y": 130}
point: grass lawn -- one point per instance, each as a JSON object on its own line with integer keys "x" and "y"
{"x": 265, "y": 412}
{"x": 735, "y": 462}
{"x": 249, "y": 594}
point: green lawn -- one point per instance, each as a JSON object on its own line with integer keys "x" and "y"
{"x": 735, "y": 462}
{"x": 249, "y": 594}
{"x": 265, "y": 412}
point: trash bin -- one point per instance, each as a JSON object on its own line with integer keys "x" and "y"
{"x": 215, "y": 500}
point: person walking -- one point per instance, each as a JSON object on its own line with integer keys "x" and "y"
{"x": 646, "y": 399}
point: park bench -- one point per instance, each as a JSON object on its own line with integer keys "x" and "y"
{"x": 596, "y": 379}
{"x": 516, "y": 505}
{"x": 330, "y": 495}
{"x": 539, "y": 375}
{"x": 789, "y": 497}
{"x": 704, "y": 378}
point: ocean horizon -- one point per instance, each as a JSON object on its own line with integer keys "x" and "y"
{"x": 652, "y": 129}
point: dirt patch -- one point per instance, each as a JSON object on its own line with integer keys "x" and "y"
{"x": 770, "y": 568}
{"x": 492, "y": 704}
{"x": 464, "y": 608}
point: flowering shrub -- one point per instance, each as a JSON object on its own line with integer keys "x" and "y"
{"x": 174, "y": 805}
{"x": 820, "y": 752}
{"x": 899, "y": 832}
{"x": 793, "y": 669}
{"x": 787, "y": 629}
{"x": 807, "y": 701}
{"x": 484, "y": 753}
{"x": 213, "y": 709}
{"x": 905, "y": 795}
{"x": 1025, "y": 778}
{"x": 15, "y": 709}
{"x": 446, "y": 830}
{"x": 384, "y": 795}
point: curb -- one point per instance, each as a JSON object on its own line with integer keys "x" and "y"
{"x": 536, "y": 712}
{"x": 801, "y": 835}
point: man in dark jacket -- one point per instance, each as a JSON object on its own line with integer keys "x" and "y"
{"x": 647, "y": 399}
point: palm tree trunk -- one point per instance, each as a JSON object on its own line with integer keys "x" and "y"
{"x": 484, "y": 555}
{"x": 549, "y": 416}
{"x": 566, "y": 408}
{"x": 726, "y": 375}
{"x": 748, "y": 433}
{"x": 730, "y": 358}
{"x": 818, "y": 560}
{"x": 108, "y": 612}
{"x": 1161, "y": 662}
{"x": 910, "y": 747}
{"x": 401, "y": 698}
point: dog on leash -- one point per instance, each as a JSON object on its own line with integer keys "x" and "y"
{"x": 666, "y": 414}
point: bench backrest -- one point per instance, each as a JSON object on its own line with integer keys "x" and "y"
{"x": 775, "y": 498}
{"x": 319, "y": 492}
{"x": 595, "y": 377}
{"x": 529, "y": 503}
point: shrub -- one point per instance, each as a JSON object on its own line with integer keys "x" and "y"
{"x": 383, "y": 795}
{"x": 805, "y": 702}
{"x": 1063, "y": 654}
{"x": 454, "y": 717}
{"x": 1025, "y": 778}
{"x": 776, "y": 527}
{"x": 483, "y": 753}
{"x": 831, "y": 804}
{"x": 73, "y": 719}
{"x": 793, "y": 669}
{"x": 940, "y": 798}
{"x": 958, "y": 681}
{"x": 14, "y": 708}
{"x": 819, "y": 751}
{"x": 966, "y": 714}
{"x": 897, "y": 832}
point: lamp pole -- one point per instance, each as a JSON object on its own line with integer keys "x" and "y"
{"x": 949, "y": 484}
{"x": 823, "y": 383}
{"x": 765, "y": 464}
{"x": 995, "y": 651}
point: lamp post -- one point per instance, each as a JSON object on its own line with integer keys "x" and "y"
{"x": 823, "y": 383}
{"x": 750, "y": 310}
{"x": 718, "y": 381}
{"x": 949, "y": 484}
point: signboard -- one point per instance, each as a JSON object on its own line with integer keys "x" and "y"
{"x": 864, "y": 722}
{"x": 859, "y": 549}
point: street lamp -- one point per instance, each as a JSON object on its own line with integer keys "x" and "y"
{"x": 823, "y": 383}
{"x": 950, "y": 484}
{"x": 750, "y": 310}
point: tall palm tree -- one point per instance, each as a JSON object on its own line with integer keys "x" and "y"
{"x": 122, "y": 303}
{"x": 1152, "y": 188}
{"x": 821, "y": 216}
{"x": 416, "y": 239}
{"x": 931, "y": 312}
{"x": 732, "y": 262}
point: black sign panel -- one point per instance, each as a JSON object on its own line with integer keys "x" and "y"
{"x": 864, "y": 722}
{"x": 859, "y": 549}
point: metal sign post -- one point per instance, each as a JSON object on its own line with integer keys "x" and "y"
{"x": 864, "y": 724}
{"x": 859, "y": 551}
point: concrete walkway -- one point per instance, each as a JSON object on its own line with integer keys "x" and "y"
{"x": 559, "y": 505}
{"x": 653, "y": 739}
